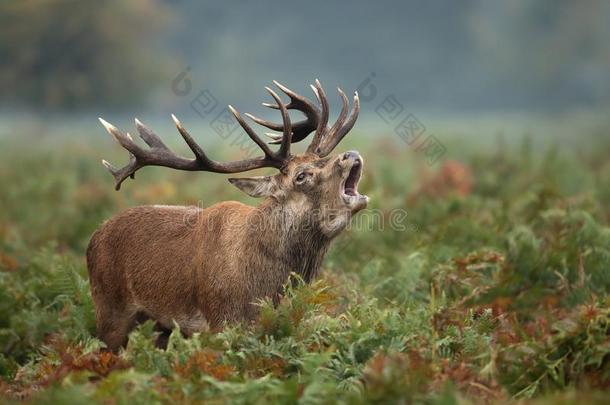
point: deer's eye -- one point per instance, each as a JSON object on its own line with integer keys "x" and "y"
{"x": 300, "y": 177}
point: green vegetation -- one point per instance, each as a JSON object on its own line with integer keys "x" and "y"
{"x": 496, "y": 288}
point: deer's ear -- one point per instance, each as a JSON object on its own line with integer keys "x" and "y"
{"x": 260, "y": 186}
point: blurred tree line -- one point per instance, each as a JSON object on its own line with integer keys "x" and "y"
{"x": 471, "y": 55}
{"x": 65, "y": 54}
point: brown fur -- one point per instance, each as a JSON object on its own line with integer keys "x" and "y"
{"x": 201, "y": 268}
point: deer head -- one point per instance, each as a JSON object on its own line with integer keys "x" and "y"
{"x": 313, "y": 184}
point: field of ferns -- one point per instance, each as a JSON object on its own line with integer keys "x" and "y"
{"x": 494, "y": 287}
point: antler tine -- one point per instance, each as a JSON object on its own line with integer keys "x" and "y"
{"x": 284, "y": 150}
{"x": 322, "y": 123}
{"x": 300, "y": 102}
{"x": 195, "y": 148}
{"x": 149, "y": 136}
{"x": 122, "y": 173}
{"x": 335, "y": 137}
{"x": 342, "y": 115}
{"x": 268, "y": 153}
{"x": 300, "y": 129}
{"x": 123, "y": 139}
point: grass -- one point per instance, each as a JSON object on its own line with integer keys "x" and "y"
{"x": 493, "y": 289}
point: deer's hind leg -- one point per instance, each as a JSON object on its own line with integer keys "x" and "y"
{"x": 114, "y": 326}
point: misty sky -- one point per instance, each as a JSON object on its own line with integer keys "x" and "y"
{"x": 469, "y": 55}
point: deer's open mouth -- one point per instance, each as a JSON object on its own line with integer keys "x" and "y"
{"x": 349, "y": 187}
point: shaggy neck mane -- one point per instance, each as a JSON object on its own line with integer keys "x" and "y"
{"x": 289, "y": 235}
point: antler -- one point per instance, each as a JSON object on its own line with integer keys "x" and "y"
{"x": 325, "y": 139}
{"x": 158, "y": 154}
{"x": 300, "y": 129}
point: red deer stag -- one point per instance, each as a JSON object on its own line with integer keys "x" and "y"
{"x": 201, "y": 268}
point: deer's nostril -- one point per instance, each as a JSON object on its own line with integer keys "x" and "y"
{"x": 351, "y": 154}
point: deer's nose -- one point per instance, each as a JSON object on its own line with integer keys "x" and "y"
{"x": 351, "y": 154}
